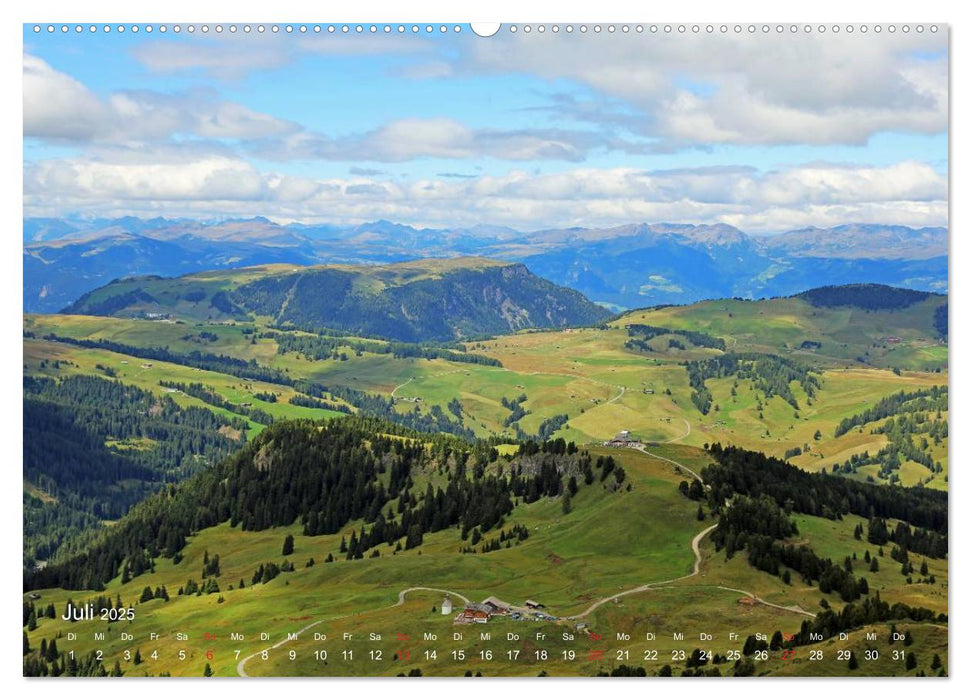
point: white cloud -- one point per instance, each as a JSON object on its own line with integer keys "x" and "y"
{"x": 736, "y": 115}
{"x": 148, "y": 116}
{"x": 652, "y": 94}
{"x": 148, "y": 152}
{"x": 200, "y": 184}
{"x": 222, "y": 59}
{"x": 366, "y": 44}
{"x": 233, "y": 56}
{"x": 214, "y": 178}
{"x": 59, "y": 108}
{"x": 683, "y": 89}
{"x": 409, "y": 139}
{"x": 826, "y": 185}
{"x": 740, "y": 89}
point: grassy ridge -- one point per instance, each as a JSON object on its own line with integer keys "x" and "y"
{"x": 608, "y": 543}
{"x": 135, "y": 371}
{"x": 586, "y": 374}
{"x": 423, "y": 300}
{"x": 904, "y": 337}
{"x": 563, "y": 564}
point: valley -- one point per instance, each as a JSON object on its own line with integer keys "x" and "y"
{"x": 583, "y": 384}
{"x": 499, "y": 350}
{"x": 622, "y": 267}
{"x": 786, "y": 377}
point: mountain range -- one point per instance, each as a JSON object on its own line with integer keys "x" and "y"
{"x": 620, "y": 267}
{"x": 418, "y": 301}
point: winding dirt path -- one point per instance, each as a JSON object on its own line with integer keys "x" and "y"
{"x": 401, "y": 385}
{"x": 788, "y": 608}
{"x": 623, "y": 390}
{"x": 241, "y": 671}
{"x": 402, "y": 594}
{"x": 695, "y": 547}
{"x": 682, "y": 436}
{"x": 671, "y": 461}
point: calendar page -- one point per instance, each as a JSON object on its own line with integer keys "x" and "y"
{"x": 489, "y": 350}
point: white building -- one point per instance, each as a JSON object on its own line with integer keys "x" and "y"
{"x": 447, "y": 606}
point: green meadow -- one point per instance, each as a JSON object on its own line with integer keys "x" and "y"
{"x": 608, "y": 544}
{"x": 40, "y": 356}
{"x": 889, "y": 338}
{"x": 563, "y": 564}
{"x": 585, "y": 374}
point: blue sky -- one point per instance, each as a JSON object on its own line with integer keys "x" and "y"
{"x": 767, "y": 133}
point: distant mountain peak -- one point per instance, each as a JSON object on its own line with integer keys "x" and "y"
{"x": 427, "y": 300}
{"x": 626, "y": 266}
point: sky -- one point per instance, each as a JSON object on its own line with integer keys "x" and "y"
{"x": 763, "y": 131}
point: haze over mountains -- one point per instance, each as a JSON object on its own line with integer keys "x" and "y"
{"x": 629, "y": 266}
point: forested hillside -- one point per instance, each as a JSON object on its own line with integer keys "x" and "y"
{"x": 94, "y": 447}
{"x": 756, "y": 496}
{"x": 419, "y": 301}
{"x": 867, "y": 324}
{"x": 865, "y": 296}
{"x": 400, "y": 483}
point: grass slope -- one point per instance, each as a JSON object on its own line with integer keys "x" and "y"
{"x": 609, "y": 543}
{"x": 882, "y": 338}
{"x": 586, "y": 374}
{"x": 421, "y": 300}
